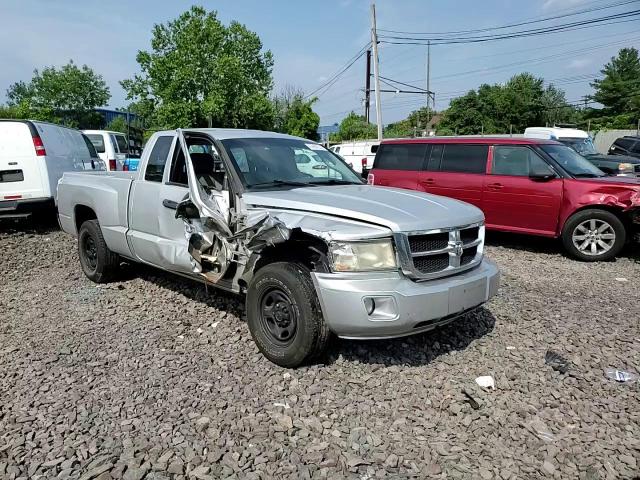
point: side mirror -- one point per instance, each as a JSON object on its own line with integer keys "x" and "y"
{"x": 541, "y": 175}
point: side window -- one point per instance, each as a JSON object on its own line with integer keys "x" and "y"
{"x": 374, "y": 148}
{"x": 464, "y": 158}
{"x": 401, "y": 156}
{"x": 435, "y": 157}
{"x": 178, "y": 173}
{"x": 516, "y": 161}
{"x": 158, "y": 159}
{"x": 98, "y": 141}
{"x": 636, "y": 147}
{"x": 623, "y": 143}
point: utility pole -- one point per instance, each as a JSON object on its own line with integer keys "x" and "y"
{"x": 367, "y": 88}
{"x": 376, "y": 69}
{"x": 428, "y": 82}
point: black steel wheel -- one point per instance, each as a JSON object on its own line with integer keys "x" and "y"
{"x": 284, "y": 315}
{"x": 98, "y": 263}
{"x": 278, "y": 316}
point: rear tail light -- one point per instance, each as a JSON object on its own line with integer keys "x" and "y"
{"x": 113, "y": 165}
{"x": 12, "y": 197}
{"x": 370, "y": 179}
{"x": 39, "y": 146}
{"x": 363, "y": 162}
{"x": 125, "y": 168}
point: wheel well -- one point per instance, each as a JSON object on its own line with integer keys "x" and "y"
{"x": 82, "y": 214}
{"x": 301, "y": 247}
{"x": 607, "y": 208}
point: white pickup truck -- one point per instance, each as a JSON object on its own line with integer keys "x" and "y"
{"x": 314, "y": 250}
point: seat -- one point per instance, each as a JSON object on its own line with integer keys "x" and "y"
{"x": 205, "y": 169}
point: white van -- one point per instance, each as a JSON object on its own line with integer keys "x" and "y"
{"x": 359, "y": 155}
{"x": 112, "y": 147}
{"x": 33, "y": 157}
{"x": 579, "y": 140}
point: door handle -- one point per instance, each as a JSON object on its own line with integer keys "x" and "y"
{"x": 429, "y": 181}
{"x": 170, "y": 204}
{"x": 495, "y": 186}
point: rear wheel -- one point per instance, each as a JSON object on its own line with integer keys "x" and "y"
{"x": 98, "y": 263}
{"x": 593, "y": 235}
{"x": 284, "y": 315}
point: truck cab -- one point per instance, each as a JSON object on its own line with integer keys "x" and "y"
{"x": 314, "y": 251}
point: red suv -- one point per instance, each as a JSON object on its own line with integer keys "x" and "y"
{"x": 522, "y": 185}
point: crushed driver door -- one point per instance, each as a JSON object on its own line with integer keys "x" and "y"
{"x": 220, "y": 233}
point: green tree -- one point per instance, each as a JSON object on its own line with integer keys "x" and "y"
{"x": 520, "y": 103}
{"x": 294, "y": 115}
{"x": 354, "y": 127}
{"x": 619, "y": 89}
{"x": 301, "y": 120}
{"x": 70, "y": 88}
{"x": 118, "y": 124}
{"x": 200, "y": 72}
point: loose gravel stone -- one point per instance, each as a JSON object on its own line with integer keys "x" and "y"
{"x": 156, "y": 377}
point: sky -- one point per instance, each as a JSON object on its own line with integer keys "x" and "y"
{"x": 311, "y": 41}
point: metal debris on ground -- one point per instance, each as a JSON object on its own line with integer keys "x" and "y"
{"x": 470, "y": 400}
{"x": 620, "y": 375}
{"x": 556, "y": 361}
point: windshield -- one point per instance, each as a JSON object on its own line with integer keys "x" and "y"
{"x": 584, "y": 146}
{"x": 573, "y": 163}
{"x": 277, "y": 162}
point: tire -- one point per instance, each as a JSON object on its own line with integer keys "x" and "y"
{"x": 284, "y": 314}
{"x": 98, "y": 263}
{"x": 579, "y": 235}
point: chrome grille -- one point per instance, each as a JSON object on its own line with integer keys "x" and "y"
{"x": 425, "y": 243}
{"x": 438, "y": 253}
{"x": 432, "y": 263}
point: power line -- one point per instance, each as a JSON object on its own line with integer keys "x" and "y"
{"x": 538, "y": 60}
{"x": 398, "y": 40}
{"x": 337, "y": 75}
{"x": 528, "y": 22}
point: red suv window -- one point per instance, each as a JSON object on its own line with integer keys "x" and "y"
{"x": 406, "y": 156}
{"x": 464, "y": 158}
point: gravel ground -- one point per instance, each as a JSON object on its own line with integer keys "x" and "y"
{"x": 154, "y": 377}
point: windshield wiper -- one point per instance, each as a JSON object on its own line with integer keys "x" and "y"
{"x": 335, "y": 181}
{"x": 277, "y": 182}
{"x": 587, "y": 175}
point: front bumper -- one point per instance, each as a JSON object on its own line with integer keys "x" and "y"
{"x": 403, "y": 307}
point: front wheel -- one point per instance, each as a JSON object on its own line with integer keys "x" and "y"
{"x": 593, "y": 235}
{"x": 284, "y": 315}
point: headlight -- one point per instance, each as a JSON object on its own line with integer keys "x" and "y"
{"x": 363, "y": 256}
{"x": 625, "y": 168}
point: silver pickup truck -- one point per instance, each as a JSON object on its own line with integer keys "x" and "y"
{"x": 288, "y": 224}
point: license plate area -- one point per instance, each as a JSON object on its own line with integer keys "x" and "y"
{"x": 467, "y": 296}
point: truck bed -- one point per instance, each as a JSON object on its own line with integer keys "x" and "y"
{"x": 106, "y": 194}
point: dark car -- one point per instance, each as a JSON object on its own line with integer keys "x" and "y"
{"x": 628, "y": 145}
{"x": 611, "y": 164}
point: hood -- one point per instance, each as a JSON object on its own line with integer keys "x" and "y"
{"x": 615, "y": 181}
{"x": 613, "y": 158}
{"x": 394, "y": 208}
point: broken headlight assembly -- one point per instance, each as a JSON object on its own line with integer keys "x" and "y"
{"x": 363, "y": 256}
